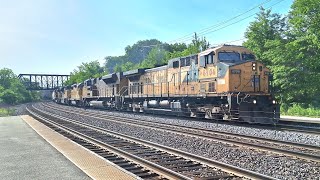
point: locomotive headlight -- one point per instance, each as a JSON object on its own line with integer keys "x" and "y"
{"x": 254, "y": 101}
{"x": 187, "y": 105}
{"x": 274, "y": 102}
{"x": 254, "y": 66}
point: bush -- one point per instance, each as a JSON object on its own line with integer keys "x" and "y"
{"x": 6, "y": 112}
{"x": 12, "y": 90}
{"x": 299, "y": 110}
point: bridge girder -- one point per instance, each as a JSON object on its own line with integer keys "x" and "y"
{"x": 43, "y": 81}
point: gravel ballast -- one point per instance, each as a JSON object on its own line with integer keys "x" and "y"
{"x": 287, "y": 136}
{"x": 274, "y": 165}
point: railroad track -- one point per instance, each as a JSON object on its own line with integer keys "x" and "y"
{"x": 281, "y": 126}
{"x": 163, "y": 161}
{"x": 303, "y": 151}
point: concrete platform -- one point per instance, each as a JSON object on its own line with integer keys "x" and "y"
{"x": 300, "y": 119}
{"x": 37, "y": 152}
{"x": 25, "y": 155}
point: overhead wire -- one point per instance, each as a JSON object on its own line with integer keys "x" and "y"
{"x": 221, "y": 23}
{"x": 219, "y": 26}
{"x": 217, "y": 29}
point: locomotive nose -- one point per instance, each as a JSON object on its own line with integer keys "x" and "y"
{"x": 251, "y": 76}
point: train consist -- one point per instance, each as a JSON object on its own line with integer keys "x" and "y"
{"x": 221, "y": 83}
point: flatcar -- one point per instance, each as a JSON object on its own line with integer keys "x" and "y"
{"x": 221, "y": 83}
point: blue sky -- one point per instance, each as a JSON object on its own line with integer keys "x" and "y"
{"x": 55, "y": 36}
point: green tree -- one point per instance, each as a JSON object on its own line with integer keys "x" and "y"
{"x": 266, "y": 27}
{"x": 138, "y": 55}
{"x": 112, "y": 61}
{"x": 176, "y": 47}
{"x": 305, "y": 43}
{"x": 290, "y": 47}
{"x": 7, "y": 77}
{"x": 156, "y": 57}
{"x": 197, "y": 45}
{"x": 127, "y": 66}
{"x": 140, "y": 50}
{"x": 12, "y": 91}
{"x": 86, "y": 71}
{"x": 11, "y": 97}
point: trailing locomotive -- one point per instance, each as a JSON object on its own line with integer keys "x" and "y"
{"x": 222, "y": 83}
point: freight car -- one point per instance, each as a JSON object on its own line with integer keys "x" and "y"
{"x": 221, "y": 83}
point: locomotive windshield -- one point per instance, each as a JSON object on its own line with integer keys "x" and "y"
{"x": 229, "y": 56}
{"x": 247, "y": 57}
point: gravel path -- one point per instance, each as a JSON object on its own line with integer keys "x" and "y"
{"x": 275, "y": 165}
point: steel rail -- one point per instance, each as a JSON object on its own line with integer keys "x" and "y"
{"x": 213, "y": 163}
{"x": 149, "y": 165}
{"x": 186, "y": 131}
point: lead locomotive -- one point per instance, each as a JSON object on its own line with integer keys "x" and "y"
{"x": 221, "y": 83}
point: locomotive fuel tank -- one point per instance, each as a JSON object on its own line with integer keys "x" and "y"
{"x": 98, "y": 104}
{"x": 164, "y": 103}
{"x": 153, "y": 103}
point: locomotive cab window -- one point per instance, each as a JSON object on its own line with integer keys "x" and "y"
{"x": 230, "y": 57}
{"x": 209, "y": 58}
{"x": 182, "y": 62}
{"x": 195, "y": 59}
{"x": 248, "y": 57}
{"x": 206, "y": 59}
{"x": 175, "y": 64}
{"x": 202, "y": 61}
{"x": 188, "y": 61}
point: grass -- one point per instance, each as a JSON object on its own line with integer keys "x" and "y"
{"x": 6, "y": 112}
{"x": 297, "y": 110}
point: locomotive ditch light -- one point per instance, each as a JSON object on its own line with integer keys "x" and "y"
{"x": 274, "y": 102}
{"x": 254, "y": 101}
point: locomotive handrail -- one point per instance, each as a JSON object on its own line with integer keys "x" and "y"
{"x": 123, "y": 91}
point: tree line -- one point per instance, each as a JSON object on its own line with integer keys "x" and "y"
{"x": 12, "y": 90}
{"x": 142, "y": 54}
{"x": 288, "y": 44}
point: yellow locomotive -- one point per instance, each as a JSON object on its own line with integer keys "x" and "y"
{"x": 222, "y": 83}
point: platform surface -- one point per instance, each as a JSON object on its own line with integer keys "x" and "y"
{"x": 25, "y": 155}
{"x": 300, "y": 119}
{"x": 92, "y": 164}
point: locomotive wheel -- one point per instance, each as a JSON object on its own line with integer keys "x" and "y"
{"x": 208, "y": 114}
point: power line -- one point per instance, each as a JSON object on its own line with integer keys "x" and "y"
{"x": 221, "y": 23}
{"x": 214, "y": 30}
{"x": 217, "y": 44}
